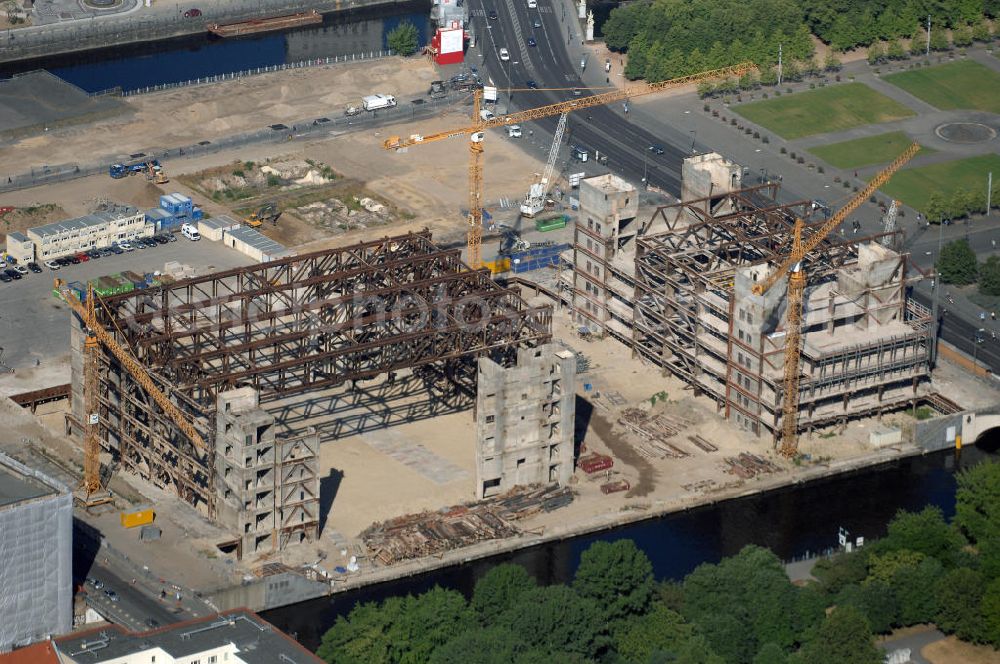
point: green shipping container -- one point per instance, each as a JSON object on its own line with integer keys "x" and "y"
{"x": 543, "y": 226}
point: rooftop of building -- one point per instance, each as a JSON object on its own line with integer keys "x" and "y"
{"x": 255, "y": 640}
{"x": 37, "y": 653}
{"x": 257, "y": 240}
{"x": 220, "y": 222}
{"x": 19, "y": 483}
{"x": 98, "y": 218}
{"x": 609, "y": 182}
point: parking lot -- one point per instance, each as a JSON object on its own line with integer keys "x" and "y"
{"x": 34, "y": 326}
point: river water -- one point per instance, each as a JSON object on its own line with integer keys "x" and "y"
{"x": 137, "y": 66}
{"x": 791, "y": 522}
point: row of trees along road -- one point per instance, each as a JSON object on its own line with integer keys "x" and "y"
{"x": 957, "y": 265}
{"x": 743, "y": 610}
{"x": 669, "y": 38}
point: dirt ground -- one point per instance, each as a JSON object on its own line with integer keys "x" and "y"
{"x": 187, "y": 115}
{"x": 952, "y": 651}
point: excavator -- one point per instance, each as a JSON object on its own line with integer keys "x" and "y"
{"x": 266, "y": 212}
{"x": 155, "y": 173}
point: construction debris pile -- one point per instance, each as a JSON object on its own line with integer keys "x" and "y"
{"x": 432, "y": 533}
{"x": 654, "y": 432}
{"x": 748, "y": 465}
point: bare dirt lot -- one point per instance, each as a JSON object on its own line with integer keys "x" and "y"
{"x": 952, "y": 651}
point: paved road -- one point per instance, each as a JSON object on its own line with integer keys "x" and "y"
{"x": 554, "y": 64}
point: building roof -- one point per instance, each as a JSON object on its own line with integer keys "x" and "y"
{"x": 256, "y": 240}
{"x": 17, "y": 236}
{"x": 97, "y": 219}
{"x": 19, "y": 484}
{"x": 37, "y": 653}
{"x": 221, "y": 222}
{"x": 256, "y": 640}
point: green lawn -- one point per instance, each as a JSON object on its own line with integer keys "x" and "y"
{"x": 964, "y": 84}
{"x": 914, "y": 186}
{"x": 823, "y": 110}
{"x": 860, "y": 152}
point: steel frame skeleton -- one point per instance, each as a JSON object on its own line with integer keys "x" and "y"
{"x": 301, "y": 323}
{"x": 684, "y": 301}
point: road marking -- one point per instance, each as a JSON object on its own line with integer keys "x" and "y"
{"x": 519, "y": 36}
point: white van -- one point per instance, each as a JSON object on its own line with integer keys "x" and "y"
{"x": 514, "y": 131}
{"x": 486, "y": 115}
{"x": 190, "y": 232}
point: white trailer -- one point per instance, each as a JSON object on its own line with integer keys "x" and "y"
{"x": 376, "y": 102}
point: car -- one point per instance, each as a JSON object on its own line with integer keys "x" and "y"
{"x": 514, "y": 131}
{"x": 97, "y": 583}
{"x": 577, "y": 92}
{"x": 504, "y": 55}
{"x": 531, "y": 84}
{"x": 152, "y": 623}
{"x": 656, "y": 148}
{"x": 22, "y": 270}
{"x": 62, "y": 262}
{"x": 171, "y": 238}
{"x": 73, "y": 260}
{"x": 126, "y": 246}
{"x": 486, "y": 115}
{"x": 493, "y": 15}
{"x": 35, "y": 267}
{"x": 161, "y": 239}
{"x": 5, "y": 278}
{"x": 151, "y": 242}
{"x": 53, "y": 265}
{"x": 194, "y": 12}
{"x": 94, "y": 253}
{"x": 532, "y": 4}
{"x": 115, "y": 249}
{"x": 82, "y": 257}
{"x": 12, "y": 273}
{"x": 532, "y": 42}
{"x": 536, "y": 24}
{"x": 112, "y": 595}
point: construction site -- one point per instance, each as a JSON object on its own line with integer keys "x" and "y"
{"x": 353, "y": 413}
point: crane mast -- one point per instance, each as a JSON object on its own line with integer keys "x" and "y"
{"x": 476, "y": 132}
{"x": 793, "y": 266}
{"x": 534, "y": 202}
{"x": 96, "y": 337}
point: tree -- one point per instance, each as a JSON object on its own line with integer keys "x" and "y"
{"x": 832, "y": 62}
{"x": 769, "y": 76}
{"x": 989, "y": 276}
{"x": 939, "y": 40}
{"x": 925, "y": 532}
{"x": 895, "y": 50}
{"x": 790, "y": 71}
{"x": 914, "y": 588}
{"x": 981, "y": 32}
{"x": 937, "y": 207}
{"x": 429, "y": 621}
{"x": 876, "y": 601}
{"x": 959, "y": 594}
{"x": 403, "y": 39}
{"x": 883, "y": 566}
{"x": 498, "y": 590}
{"x": 697, "y": 651}
{"x": 876, "y": 54}
{"x": 489, "y": 645}
{"x": 659, "y": 630}
{"x": 977, "y": 503}
{"x": 990, "y": 611}
{"x": 557, "y": 618}
{"x": 748, "y": 81}
{"x": 962, "y": 36}
{"x": 363, "y": 635}
{"x": 918, "y": 42}
{"x": 617, "y": 576}
{"x": 623, "y": 24}
{"x": 957, "y": 263}
{"x": 958, "y": 206}
{"x": 844, "y": 637}
{"x": 771, "y": 653}
{"x": 841, "y": 570}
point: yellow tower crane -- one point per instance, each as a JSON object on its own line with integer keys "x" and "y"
{"x": 93, "y": 493}
{"x": 476, "y": 132}
{"x": 792, "y": 266}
